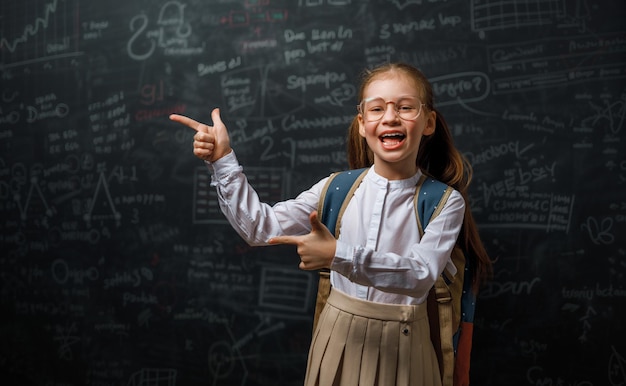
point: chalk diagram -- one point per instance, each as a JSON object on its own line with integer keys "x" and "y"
{"x": 283, "y": 294}
{"x": 34, "y": 199}
{"x": 224, "y": 356}
{"x": 101, "y": 205}
{"x": 35, "y": 205}
{"x": 617, "y": 368}
{"x": 608, "y": 114}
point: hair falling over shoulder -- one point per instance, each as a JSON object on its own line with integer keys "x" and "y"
{"x": 437, "y": 157}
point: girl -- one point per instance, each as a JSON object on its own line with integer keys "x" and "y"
{"x": 374, "y": 328}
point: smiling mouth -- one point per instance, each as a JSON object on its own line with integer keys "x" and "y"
{"x": 392, "y": 139}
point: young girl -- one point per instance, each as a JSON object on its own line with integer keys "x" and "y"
{"x": 374, "y": 328}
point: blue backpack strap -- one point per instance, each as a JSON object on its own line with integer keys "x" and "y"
{"x": 335, "y": 196}
{"x": 429, "y": 193}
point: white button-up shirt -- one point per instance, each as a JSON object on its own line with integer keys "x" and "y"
{"x": 379, "y": 255}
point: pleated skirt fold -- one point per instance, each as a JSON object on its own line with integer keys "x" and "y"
{"x": 363, "y": 343}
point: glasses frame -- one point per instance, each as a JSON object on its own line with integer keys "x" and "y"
{"x": 361, "y": 111}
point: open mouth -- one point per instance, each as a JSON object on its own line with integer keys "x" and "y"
{"x": 392, "y": 139}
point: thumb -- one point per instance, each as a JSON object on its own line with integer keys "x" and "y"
{"x": 217, "y": 119}
{"x": 316, "y": 224}
{"x": 219, "y": 128}
{"x": 222, "y": 140}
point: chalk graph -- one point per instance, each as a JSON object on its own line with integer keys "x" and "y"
{"x": 25, "y": 33}
{"x": 497, "y": 14}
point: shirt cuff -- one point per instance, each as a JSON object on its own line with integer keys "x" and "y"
{"x": 344, "y": 262}
{"x": 223, "y": 169}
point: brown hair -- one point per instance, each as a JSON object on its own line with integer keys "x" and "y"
{"x": 437, "y": 157}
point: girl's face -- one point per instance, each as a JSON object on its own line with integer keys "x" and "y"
{"x": 394, "y": 137}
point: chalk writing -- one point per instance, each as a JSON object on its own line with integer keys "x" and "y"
{"x": 535, "y": 376}
{"x": 510, "y": 287}
{"x": 326, "y": 80}
{"x": 151, "y": 376}
{"x": 466, "y": 87}
{"x": 536, "y": 59}
{"x": 62, "y": 273}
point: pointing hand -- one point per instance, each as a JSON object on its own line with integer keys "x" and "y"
{"x": 210, "y": 142}
{"x": 316, "y": 249}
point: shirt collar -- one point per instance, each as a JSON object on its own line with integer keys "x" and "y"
{"x": 393, "y": 184}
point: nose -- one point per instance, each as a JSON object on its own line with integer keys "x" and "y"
{"x": 391, "y": 114}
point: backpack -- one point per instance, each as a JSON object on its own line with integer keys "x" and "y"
{"x": 450, "y": 303}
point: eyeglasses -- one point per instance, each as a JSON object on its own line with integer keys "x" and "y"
{"x": 373, "y": 109}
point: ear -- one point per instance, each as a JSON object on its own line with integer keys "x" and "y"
{"x": 431, "y": 123}
{"x": 361, "y": 125}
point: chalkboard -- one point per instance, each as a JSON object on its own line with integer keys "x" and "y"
{"x": 117, "y": 267}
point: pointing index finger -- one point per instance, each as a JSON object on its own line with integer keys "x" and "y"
{"x": 187, "y": 121}
{"x": 282, "y": 240}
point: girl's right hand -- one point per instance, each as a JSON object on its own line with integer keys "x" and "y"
{"x": 210, "y": 143}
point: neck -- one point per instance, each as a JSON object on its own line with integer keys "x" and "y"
{"x": 395, "y": 171}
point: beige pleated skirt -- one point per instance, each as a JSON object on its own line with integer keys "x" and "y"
{"x": 361, "y": 343}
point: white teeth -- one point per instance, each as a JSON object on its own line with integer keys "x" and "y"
{"x": 392, "y": 139}
{"x": 392, "y": 136}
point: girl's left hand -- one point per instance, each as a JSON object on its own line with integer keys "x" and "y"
{"x": 316, "y": 250}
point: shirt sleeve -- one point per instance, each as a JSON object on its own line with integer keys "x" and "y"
{"x": 255, "y": 221}
{"x": 411, "y": 275}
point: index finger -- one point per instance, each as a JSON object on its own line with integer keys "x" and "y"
{"x": 186, "y": 121}
{"x": 283, "y": 240}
